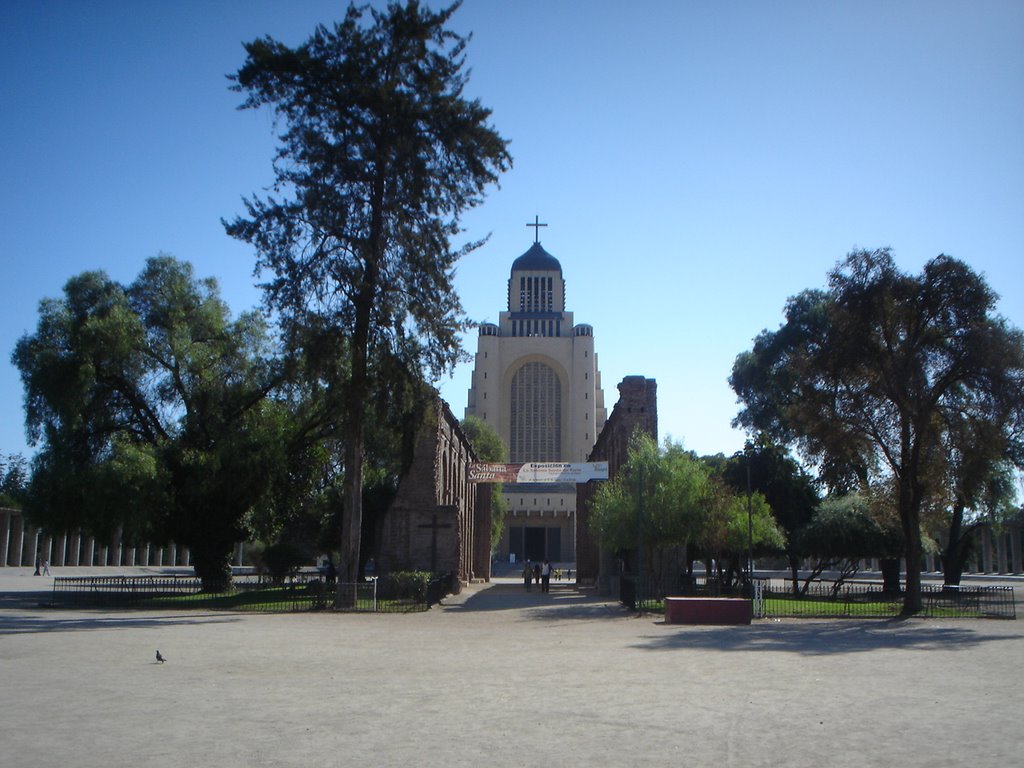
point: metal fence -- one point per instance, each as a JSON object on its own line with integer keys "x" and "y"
{"x": 828, "y": 599}
{"x": 868, "y": 600}
{"x": 249, "y": 592}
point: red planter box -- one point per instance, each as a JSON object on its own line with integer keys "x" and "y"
{"x": 708, "y": 610}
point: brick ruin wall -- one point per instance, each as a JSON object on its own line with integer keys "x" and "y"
{"x": 637, "y": 407}
{"x": 434, "y": 522}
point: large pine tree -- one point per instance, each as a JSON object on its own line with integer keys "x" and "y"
{"x": 379, "y": 156}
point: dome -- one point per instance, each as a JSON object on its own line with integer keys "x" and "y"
{"x": 536, "y": 259}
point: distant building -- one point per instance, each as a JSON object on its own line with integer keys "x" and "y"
{"x": 536, "y": 382}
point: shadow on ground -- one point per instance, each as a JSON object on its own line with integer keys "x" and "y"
{"x": 827, "y": 637}
{"x": 563, "y": 602}
{"x": 47, "y": 620}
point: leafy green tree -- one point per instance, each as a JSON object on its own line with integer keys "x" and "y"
{"x": 151, "y": 408}
{"x": 865, "y": 375}
{"x": 380, "y": 155}
{"x": 841, "y": 533}
{"x": 980, "y": 457}
{"x": 785, "y": 485}
{"x": 489, "y": 447}
{"x": 733, "y": 524}
{"x": 663, "y": 501}
{"x": 13, "y": 480}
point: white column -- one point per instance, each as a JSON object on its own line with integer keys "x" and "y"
{"x": 986, "y": 550}
{"x": 1001, "y": 552}
{"x": 32, "y": 544}
{"x": 5, "y": 535}
{"x": 46, "y": 551}
{"x": 17, "y": 540}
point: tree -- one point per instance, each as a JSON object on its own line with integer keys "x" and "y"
{"x": 380, "y": 156}
{"x": 489, "y": 447}
{"x": 151, "y": 406}
{"x": 980, "y": 456}
{"x": 13, "y": 480}
{"x": 663, "y": 500}
{"x": 733, "y": 524}
{"x": 841, "y": 533}
{"x": 867, "y": 374}
{"x": 785, "y": 485}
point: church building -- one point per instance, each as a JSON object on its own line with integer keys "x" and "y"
{"x": 536, "y": 382}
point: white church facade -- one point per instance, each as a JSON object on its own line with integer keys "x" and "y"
{"x": 536, "y": 382}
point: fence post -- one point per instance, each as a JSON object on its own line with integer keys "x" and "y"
{"x": 757, "y": 597}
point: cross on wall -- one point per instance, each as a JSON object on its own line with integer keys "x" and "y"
{"x": 433, "y": 525}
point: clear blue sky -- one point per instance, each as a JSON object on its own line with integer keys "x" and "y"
{"x": 697, "y": 162}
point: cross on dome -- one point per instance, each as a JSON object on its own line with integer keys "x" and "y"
{"x": 536, "y": 228}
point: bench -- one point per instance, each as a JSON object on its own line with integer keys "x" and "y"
{"x": 708, "y": 610}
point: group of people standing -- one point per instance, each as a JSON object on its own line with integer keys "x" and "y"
{"x": 537, "y": 574}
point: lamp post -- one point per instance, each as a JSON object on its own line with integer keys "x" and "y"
{"x": 750, "y": 528}
{"x": 639, "y": 533}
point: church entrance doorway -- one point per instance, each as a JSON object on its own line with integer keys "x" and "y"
{"x": 536, "y": 543}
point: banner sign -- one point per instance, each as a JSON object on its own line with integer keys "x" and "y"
{"x": 538, "y": 472}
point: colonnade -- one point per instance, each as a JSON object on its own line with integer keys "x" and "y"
{"x": 21, "y": 544}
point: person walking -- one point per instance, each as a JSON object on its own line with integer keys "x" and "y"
{"x": 527, "y": 575}
{"x": 545, "y": 577}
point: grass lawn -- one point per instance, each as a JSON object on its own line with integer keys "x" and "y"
{"x": 272, "y": 599}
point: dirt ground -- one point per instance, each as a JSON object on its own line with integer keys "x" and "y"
{"x": 499, "y": 677}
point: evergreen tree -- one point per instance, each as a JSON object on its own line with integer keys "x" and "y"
{"x": 380, "y": 155}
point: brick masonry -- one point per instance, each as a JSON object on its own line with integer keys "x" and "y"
{"x": 637, "y": 407}
{"x": 439, "y": 520}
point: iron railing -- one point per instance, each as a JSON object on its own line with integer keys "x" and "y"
{"x": 307, "y": 591}
{"x": 829, "y": 599}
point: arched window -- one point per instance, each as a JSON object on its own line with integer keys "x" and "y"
{"x": 536, "y": 406}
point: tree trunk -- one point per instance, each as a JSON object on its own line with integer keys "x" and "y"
{"x": 352, "y": 515}
{"x": 352, "y": 520}
{"x": 912, "y": 534}
{"x": 794, "y": 569}
{"x": 909, "y": 505}
{"x": 954, "y": 556}
{"x": 890, "y": 575}
{"x": 355, "y": 433}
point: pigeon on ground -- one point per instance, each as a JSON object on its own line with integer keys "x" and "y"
{"x": 160, "y": 658}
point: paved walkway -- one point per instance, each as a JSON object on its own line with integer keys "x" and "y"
{"x": 500, "y": 677}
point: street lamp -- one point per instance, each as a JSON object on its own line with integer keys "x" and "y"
{"x": 750, "y": 528}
